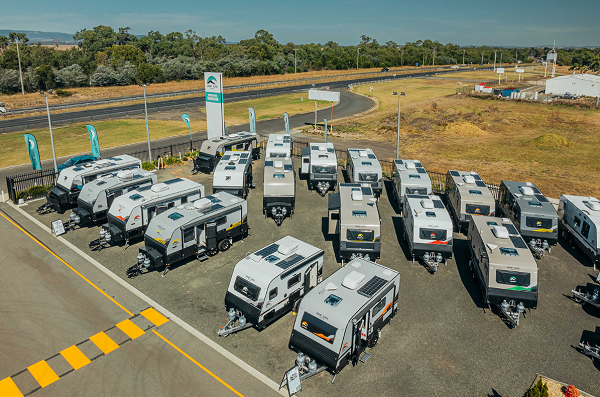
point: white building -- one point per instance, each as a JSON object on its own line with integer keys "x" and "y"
{"x": 576, "y": 84}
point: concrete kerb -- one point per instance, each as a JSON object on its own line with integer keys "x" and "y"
{"x": 225, "y": 353}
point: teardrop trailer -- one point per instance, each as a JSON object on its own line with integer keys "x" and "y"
{"x": 199, "y": 229}
{"x": 130, "y": 214}
{"x": 70, "y": 181}
{"x": 270, "y": 282}
{"x": 97, "y": 196}
{"x": 279, "y": 188}
{"x": 343, "y": 316}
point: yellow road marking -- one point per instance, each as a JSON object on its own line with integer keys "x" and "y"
{"x": 104, "y": 342}
{"x": 42, "y": 372}
{"x": 155, "y": 317}
{"x": 9, "y": 389}
{"x": 69, "y": 266}
{"x": 198, "y": 364}
{"x": 75, "y": 357}
{"x": 130, "y": 329}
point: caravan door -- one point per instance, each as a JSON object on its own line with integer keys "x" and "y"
{"x": 211, "y": 235}
{"x": 360, "y": 335}
{"x": 310, "y": 277}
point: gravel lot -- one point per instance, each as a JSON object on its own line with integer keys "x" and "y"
{"x": 443, "y": 342}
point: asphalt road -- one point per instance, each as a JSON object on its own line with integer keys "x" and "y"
{"x": 59, "y": 336}
{"x": 443, "y": 342}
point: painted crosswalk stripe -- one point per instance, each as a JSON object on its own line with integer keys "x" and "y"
{"x": 75, "y": 357}
{"x": 42, "y": 372}
{"x": 104, "y": 342}
{"x": 155, "y": 317}
{"x": 9, "y": 389}
{"x": 130, "y": 329}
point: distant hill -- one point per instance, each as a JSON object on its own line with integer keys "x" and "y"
{"x": 42, "y": 37}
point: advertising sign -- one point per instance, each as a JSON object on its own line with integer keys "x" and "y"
{"x": 34, "y": 153}
{"x": 318, "y": 95}
{"x": 293, "y": 381}
{"x": 93, "y": 140}
{"x": 520, "y": 70}
{"x": 215, "y": 120}
{"x": 500, "y": 70}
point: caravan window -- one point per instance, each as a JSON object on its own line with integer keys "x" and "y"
{"x": 318, "y": 327}
{"x": 475, "y": 192}
{"x": 514, "y": 278}
{"x": 585, "y": 230}
{"x": 324, "y": 169}
{"x": 538, "y": 222}
{"x": 367, "y": 177}
{"x": 229, "y": 167}
{"x": 273, "y": 293}
{"x": 414, "y": 176}
{"x": 188, "y": 235}
{"x": 509, "y": 251}
{"x": 432, "y": 234}
{"x": 535, "y": 204}
{"x": 416, "y": 190}
{"x": 278, "y": 176}
{"x": 379, "y": 306}
{"x": 359, "y": 214}
{"x": 246, "y": 288}
{"x": 294, "y": 280}
{"x": 430, "y": 214}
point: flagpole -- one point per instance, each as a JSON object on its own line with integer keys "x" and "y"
{"x": 51, "y": 137}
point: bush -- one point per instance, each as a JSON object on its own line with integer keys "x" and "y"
{"x": 172, "y": 160}
{"x": 104, "y": 76}
{"x": 71, "y": 76}
{"x": 290, "y": 69}
{"x": 571, "y": 391}
{"x": 148, "y": 166}
{"x": 34, "y": 192}
{"x": 9, "y": 80}
{"x": 63, "y": 93}
{"x": 538, "y": 390}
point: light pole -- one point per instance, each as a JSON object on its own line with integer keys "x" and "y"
{"x": 398, "y": 138}
{"x": 295, "y": 53}
{"x": 147, "y": 130}
{"x": 357, "y": 52}
{"x": 21, "y": 73}
{"x": 51, "y": 137}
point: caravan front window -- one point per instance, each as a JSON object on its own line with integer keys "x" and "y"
{"x": 318, "y": 327}
{"x": 246, "y": 288}
{"x": 538, "y": 222}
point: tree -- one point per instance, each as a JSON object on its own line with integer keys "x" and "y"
{"x": 9, "y": 81}
{"x": 4, "y": 42}
{"x": 127, "y": 74}
{"x": 149, "y": 73}
{"x": 537, "y": 390}
{"x": 44, "y": 76}
{"x": 125, "y": 37}
{"x": 14, "y": 37}
{"x": 97, "y": 39}
{"x": 104, "y": 76}
{"x": 126, "y": 53}
{"x": 71, "y": 76}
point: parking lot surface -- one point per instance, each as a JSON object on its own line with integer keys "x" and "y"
{"x": 443, "y": 342}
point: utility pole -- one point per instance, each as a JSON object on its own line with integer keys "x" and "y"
{"x": 423, "y": 64}
{"x": 482, "y": 57}
{"x": 434, "y": 49}
{"x": 147, "y": 130}
{"x": 21, "y": 75}
{"x": 494, "y": 60}
{"x": 500, "y": 58}
{"x": 295, "y": 52}
{"x": 51, "y": 137}
{"x": 357, "y": 52}
{"x": 464, "y": 57}
{"x": 402, "y": 56}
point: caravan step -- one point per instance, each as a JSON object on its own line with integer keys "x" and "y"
{"x": 202, "y": 257}
{"x": 365, "y": 357}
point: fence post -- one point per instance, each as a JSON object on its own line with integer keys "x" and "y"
{"x": 171, "y": 150}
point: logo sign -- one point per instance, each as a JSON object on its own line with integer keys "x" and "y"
{"x": 320, "y": 95}
{"x": 215, "y": 118}
{"x": 432, "y": 236}
{"x": 539, "y": 223}
{"x": 286, "y": 120}
{"x": 513, "y": 279}
{"x": 93, "y": 140}
{"x": 252, "y": 118}
{"x": 500, "y": 70}
{"x": 360, "y": 236}
{"x": 34, "y": 153}
{"x": 186, "y": 119}
{"x": 477, "y": 211}
{"x": 293, "y": 381}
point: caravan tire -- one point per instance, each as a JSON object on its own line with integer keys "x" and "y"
{"x": 212, "y": 252}
{"x": 224, "y": 245}
{"x": 375, "y": 338}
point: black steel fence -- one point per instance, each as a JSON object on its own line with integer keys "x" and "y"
{"x": 30, "y": 185}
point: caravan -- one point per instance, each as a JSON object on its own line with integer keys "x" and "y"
{"x": 212, "y": 149}
{"x": 198, "y": 229}
{"x": 533, "y": 215}
{"x": 129, "y": 214}
{"x": 467, "y": 196}
{"x": 409, "y": 177}
{"x": 503, "y": 266}
{"x": 580, "y": 223}
{"x": 233, "y": 174}
{"x": 319, "y": 163}
{"x": 279, "y": 145}
{"x": 97, "y": 196}
{"x": 344, "y": 315}
{"x": 267, "y": 284}
{"x": 427, "y": 228}
{"x": 354, "y": 217}
{"x": 279, "y": 188}
{"x": 71, "y": 180}
{"x": 363, "y": 167}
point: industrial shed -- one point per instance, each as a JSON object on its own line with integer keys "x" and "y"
{"x": 577, "y": 84}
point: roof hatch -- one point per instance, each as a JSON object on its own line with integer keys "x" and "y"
{"x": 427, "y": 204}
{"x": 500, "y": 231}
{"x": 125, "y": 175}
{"x": 353, "y": 280}
{"x": 357, "y": 195}
{"x": 526, "y": 190}
{"x": 159, "y": 187}
{"x": 593, "y": 205}
{"x": 202, "y": 204}
{"x": 288, "y": 249}
{"x": 469, "y": 179}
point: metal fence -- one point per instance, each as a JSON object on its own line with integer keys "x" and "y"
{"x": 30, "y": 185}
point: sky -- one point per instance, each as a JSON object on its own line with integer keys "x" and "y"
{"x": 463, "y": 22}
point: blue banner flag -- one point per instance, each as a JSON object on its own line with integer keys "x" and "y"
{"x": 186, "y": 118}
{"x": 34, "y": 153}
{"x": 252, "y": 116}
{"x": 93, "y": 140}
{"x": 286, "y": 119}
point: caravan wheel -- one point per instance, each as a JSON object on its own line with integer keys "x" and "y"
{"x": 212, "y": 252}
{"x": 224, "y": 245}
{"x": 375, "y": 338}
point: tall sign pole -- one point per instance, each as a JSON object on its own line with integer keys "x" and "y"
{"x": 215, "y": 114}
{"x": 20, "y": 72}
{"x": 51, "y": 137}
{"x": 147, "y": 129}
{"x": 325, "y": 130}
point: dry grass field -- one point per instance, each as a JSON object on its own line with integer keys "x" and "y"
{"x": 555, "y": 146}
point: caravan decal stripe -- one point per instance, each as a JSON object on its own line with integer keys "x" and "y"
{"x": 440, "y": 242}
{"x": 386, "y": 309}
{"x": 543, "y": 230}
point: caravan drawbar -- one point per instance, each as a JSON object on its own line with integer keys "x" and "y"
{"x": 344, "y": 315}
{"x": 270, "y": 282}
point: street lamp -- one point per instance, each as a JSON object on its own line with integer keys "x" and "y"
{"x": 147, "y": 130}
{"x": 398, "y": 138}
{"x": 51, "y": 137}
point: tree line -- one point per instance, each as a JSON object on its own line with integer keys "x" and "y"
{"x": 106, "y": 57}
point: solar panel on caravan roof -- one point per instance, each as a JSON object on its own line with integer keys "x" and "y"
{"x": 372, "y": 156}
{"x": 366, "y": 191}
{"x": 350, "y": 184}
{"x": 172, "y": 181}
{"x": 476, "y": 177}
{"x": 267, "y": 250}
{"x": 398, "y": 162}
{"x": 480, "y": 183}
{"x": 243, "y": 161}
{"x": 244, "y": 155}
{"x": 292, "y": 260}
{"x": 226, "y": 157}
{"x": 541, "y": 198}
{"x": 372, "y": 286}
{"x": 288, "y": 167}
{"x": 518, "y": 242}
{"x": 418, "y": 164}
{"x": 421, "y": 170}
{"x": 511, "y": 229}
{"x": 438, "y": 204}
{"x": 268, "y": 163}
{"x": 454, "y": 173}
{"x": 417, "y": 196}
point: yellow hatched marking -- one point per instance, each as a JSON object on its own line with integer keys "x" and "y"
{"x": 9, "y": 389}
{"x": 43, "y": 373}
{"x": 130, "y": 329}
{"x": 155, "y": 317}
{"x": 75, "y": 357}
{"x": 104, "y": 342}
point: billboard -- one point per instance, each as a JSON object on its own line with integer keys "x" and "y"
{"x": 318, "y": 95}
{"x": 215, "y": 120}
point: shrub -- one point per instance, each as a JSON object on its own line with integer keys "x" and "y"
{"x": 538, "y": 390}
{"x": 290, "y": 69}
{"x": 63, "y": 93}
{"x": 148, "y": 166}
{"x": 72, "y": 76}
{"x": 172, "y": 160}
{"x": 571, "y": 391}
{"x": 34, "y": 192}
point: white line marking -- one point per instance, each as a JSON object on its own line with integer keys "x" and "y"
{"x": 225, "y": 353}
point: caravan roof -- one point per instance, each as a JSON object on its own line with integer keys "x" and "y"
{"x": 529, "y": 197}
{"x": 231, "y": 169}
{"x": 90, "y": 190}
{"x": 424, "y": 207}
{"x": 279, "y": 145}
{"x": 471, "y": 184}
{"x": 211, "y": 146}
{"x": 364, "y": 160}
{"x": 412, "y": 172}
{"x": 279, "y": 174}
{"x": 589, "y": 205}
{"x": 276, "y": 260}
{"x": 358, "y": 205}
{"x": 66, "y": 176}
{"x": 322, "y": 153}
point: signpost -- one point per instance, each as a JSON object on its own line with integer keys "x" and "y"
{"x": 215, "y": 119}
{"x": 331, "y": 96}
{"x": 500, "y": 72}
{"x": 520, "y": 71}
